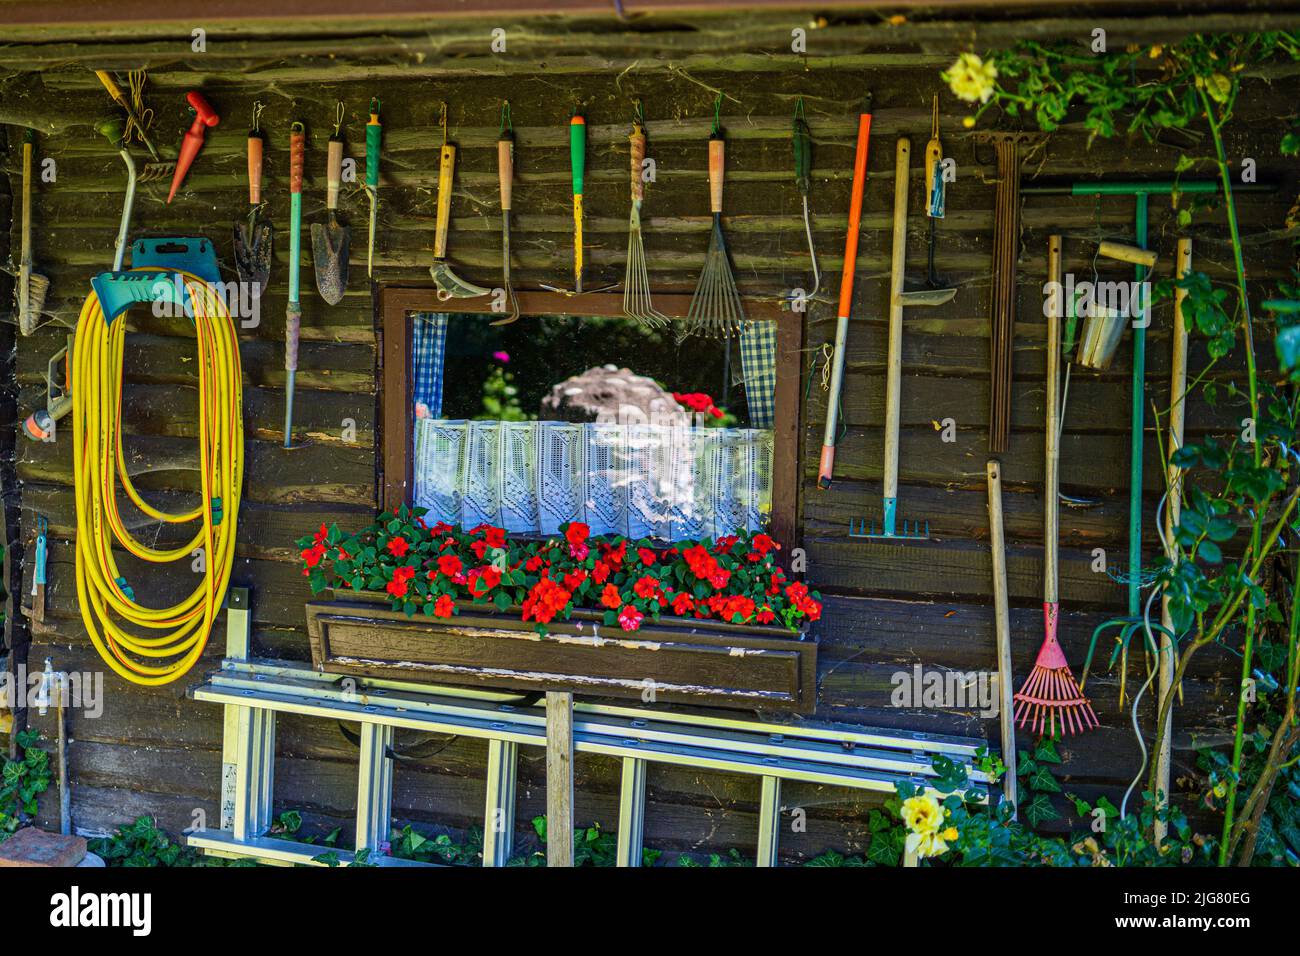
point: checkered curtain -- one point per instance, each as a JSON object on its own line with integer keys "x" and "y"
{"x": 758, "y": 366}
{"x": 428, "y": 340}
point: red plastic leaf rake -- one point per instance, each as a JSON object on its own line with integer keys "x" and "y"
{"x": 1051, "y": 693}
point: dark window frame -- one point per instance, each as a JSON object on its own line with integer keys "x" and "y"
{"x": 394, "y": 306}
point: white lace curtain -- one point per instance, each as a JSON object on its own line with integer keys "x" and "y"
{"x": 640, "y": 480}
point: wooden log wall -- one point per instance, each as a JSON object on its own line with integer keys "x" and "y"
{"x": 888, "y": 607}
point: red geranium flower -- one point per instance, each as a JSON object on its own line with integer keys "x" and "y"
{"x": 765, "y": 615}
{"x": 600, "y": 572}
{"x": 763, "y": 544}
{"x": 398, "y": 547}
{"x": 630, "y": 618}
{"x": 574, "y": 579}
{"x": 312, "y": 556}
{"x": 450, "y": 565}
{"x": 320, "y": 536}
{"x": 646, "y": 587}
{"x": 444, "y": 606}
{"x": 683, "y": 604}
{"x": 646, "y": 555}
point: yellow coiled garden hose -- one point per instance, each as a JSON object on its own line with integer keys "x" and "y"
{"x": 107, "y": 598}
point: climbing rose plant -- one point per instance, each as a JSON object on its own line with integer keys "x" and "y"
{"x": 436, "y": 570}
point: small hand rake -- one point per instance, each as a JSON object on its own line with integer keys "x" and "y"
{"x": 715, "y": 310}
{"x": 636, "y": 281}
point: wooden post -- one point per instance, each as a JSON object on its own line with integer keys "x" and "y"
{"x": 1173, "y": 509}
{"x": 1002, "y": 627}
{"x": 559, "y": 778}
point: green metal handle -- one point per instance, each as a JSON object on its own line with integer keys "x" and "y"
{"x": 374, "y": 135}
{"x": 578, "y": 152}
{"x": 801, "y": 138}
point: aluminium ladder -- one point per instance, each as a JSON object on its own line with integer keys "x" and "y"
{"x": 254, "y": 691}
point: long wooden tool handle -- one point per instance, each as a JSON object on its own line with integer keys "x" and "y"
{"x": 1173, "y": 514}
{"x": 827, "y": 465}
{"x": 1002, "y": 625}
{"x": 333, "y": 173}
{"x": 894, "y": 377}
{"x": 578, "y": 152}
{"x": 636, "y": 148}
{"x": 256, "y": 150}
{"x": 26, "y": 251}
{"x": 1122, "y": 252}
{"x": 506, "y": 169}
{"x": 1051, "y": 471}
{"x": 717, "y": 169}
{"x": 446, "y": 163}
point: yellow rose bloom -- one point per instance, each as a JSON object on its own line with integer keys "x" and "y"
{"x": 922, "y": 814}
{"x": 926, "y": 844}
{"x": 971, "y": 79}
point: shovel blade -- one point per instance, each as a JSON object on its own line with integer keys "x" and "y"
{"x": 329, "y": 249}
{"x": 253, "y": 253}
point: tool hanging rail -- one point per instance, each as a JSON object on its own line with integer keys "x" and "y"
{"x": 254, "y": 692}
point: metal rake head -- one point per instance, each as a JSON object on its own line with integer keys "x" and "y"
{"x": 715, "y": 311}
{"x": 888, "y": 530}
{"x": 636, "y": 282}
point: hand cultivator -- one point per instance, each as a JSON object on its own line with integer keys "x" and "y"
{"x": 801, "y": 141}
{"x": 254, "y": 238}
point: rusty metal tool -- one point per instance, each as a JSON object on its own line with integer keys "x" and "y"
{"x": 450, "y": 285}
{"x": 330, "y": 240}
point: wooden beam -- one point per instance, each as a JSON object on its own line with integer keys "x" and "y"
{"x": 559, "y": 778}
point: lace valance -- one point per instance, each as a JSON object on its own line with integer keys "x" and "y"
{"x": 640, "y": 480}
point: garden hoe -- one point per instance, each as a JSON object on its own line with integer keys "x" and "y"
{"x": 829, "y": 438}
{"x": 254, "y": 238}
{"x": 330, "y": 240}
{"x": 450, "y": 285}
{"x": 893, "y": 387}
{"x": 293, "y": 315}
{"x": 506, "y": 176}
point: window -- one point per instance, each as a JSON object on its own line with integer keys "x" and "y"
{"x": 589, "y": 417}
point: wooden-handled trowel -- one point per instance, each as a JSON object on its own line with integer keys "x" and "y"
{"x": 330, "y": 240}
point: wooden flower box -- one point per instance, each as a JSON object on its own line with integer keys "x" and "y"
{"x": 683, "y": 660}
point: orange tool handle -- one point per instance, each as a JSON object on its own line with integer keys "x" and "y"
{"x": 717, "y": 164}
{"x": 297, "y": 150}
{"x": 855, "y": 214}
{"x": 637, "y": 142}
{"x": 255, "y": 149}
